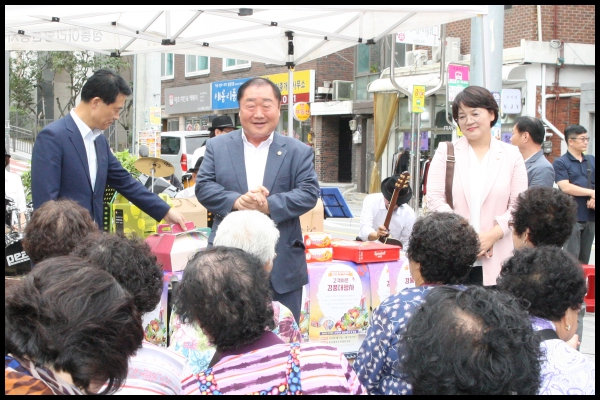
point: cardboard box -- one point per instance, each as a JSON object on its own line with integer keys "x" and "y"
{"x": 128, "y": 218}
{"x": 312, "y": 221}
{"x": 319, "y": 255}
{"x": 192, "y": 210}
{"x": 364, "y": 252}
{"x": 340, "y": 297}
{"x": 304, "y": 322}
{"x": 389, "y": 278}
{"x": 173, "y": 247}
{"x": 316, "y": 240}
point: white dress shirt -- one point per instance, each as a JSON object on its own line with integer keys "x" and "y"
{"x": 89, "y": 136}
{"x": 13, "y": 188}
{"x": 373, "y": 216}
{"x": 255, "y": 159}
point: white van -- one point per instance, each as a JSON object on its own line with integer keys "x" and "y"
{"x": 177, "y": 148}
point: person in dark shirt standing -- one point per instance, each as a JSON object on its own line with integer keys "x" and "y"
{"x": 575, "y": 174}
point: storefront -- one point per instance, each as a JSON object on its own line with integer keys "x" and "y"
{"x": 194, "y": 107}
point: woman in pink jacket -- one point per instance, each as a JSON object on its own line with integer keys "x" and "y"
{"x": 488, "y": 177}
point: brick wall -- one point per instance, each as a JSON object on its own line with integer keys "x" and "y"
{"x": 574, "y": 23}
{"x": 561, "y": 113}
{"x": 326, "y": 130}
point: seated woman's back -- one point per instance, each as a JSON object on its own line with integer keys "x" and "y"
{"x": 552, "y": 281}
{"x": 224, "y": 291}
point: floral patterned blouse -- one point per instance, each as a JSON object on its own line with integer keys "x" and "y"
{"x": 377, "y": 361}
{"x": 189, "y": 341}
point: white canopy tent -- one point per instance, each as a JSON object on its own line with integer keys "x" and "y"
{"x": 274, "y": 34}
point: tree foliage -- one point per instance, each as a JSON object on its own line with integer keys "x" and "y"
{"x": 25, "y": 75}
{"x": 26, "y": 69}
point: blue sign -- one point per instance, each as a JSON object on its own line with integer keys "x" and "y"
{"x": 224, "y": 94}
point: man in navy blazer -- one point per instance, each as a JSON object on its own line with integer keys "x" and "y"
{"x": 71, "y": 157}
{"x": 256, "y": 168}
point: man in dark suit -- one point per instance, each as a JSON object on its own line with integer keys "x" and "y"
{"x": 71, "y": 157}
{"x": 256, "y": 168}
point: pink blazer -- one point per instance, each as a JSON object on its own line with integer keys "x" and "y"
{"x": 507, "y": 178}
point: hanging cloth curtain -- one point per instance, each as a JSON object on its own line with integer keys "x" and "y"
{"x": 385, "y": 107}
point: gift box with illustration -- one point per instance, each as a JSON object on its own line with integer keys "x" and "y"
{"x": 364, "y": 252}
{"x": 388, "y": 278}
{"x": 339, "y": 296}
{"x": 174, "y": 246}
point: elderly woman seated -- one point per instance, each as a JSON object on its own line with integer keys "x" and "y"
{"x": 154, "y": 369}
{"x": 442, "y": 248}
{"x": 257, "y": 234}
{"x": 69, "y": 329}
{"x": 542, "y": 216}
{"x": 56, "y": 228}
{"x": 226, "y": 292}
{"x": 552, "y": 281}
{"x": 472, "y": 341}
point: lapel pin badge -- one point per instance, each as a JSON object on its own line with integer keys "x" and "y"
{"x": 279, "y": 153}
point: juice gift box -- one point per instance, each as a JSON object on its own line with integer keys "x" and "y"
{"x": 364, "y": 252}
{"x": 173, "y": 247}
{"x": 339, "y": 302}
{"x": 388, "y": 278}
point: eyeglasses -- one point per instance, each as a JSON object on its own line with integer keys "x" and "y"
{"x": 583, "y": 139}
{"x": 463, "y": 119}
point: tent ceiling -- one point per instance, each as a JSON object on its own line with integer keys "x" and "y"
{"x": 217, "y": 30}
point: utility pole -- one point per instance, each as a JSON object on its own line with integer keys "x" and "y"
{"x": 487, "y": 44}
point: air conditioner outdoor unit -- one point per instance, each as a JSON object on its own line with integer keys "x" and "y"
{"x": 415, "y": 57}
{"x": 452, "y": 50}
{"x": 342, "y": 90}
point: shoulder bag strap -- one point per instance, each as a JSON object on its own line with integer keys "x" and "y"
{"x": 450, "y": 161}
{"x": 547, "y": 334}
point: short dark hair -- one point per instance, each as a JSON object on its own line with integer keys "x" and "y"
{"x": 532, "y": 125}
{"x": 258, "y": 82}
{"x": 549, "y": 278}
{"x": 105, "y": 84}
{"x": 73, "y": 318}
{"x": 55, "y": 228}
{"x": 130, "y": 261}
{"x": 548, "y": 213}
{"x": 473, "y": 341}
{"x": 573, "y": 131}
{"x": 475, "y": 97}
{"x": 445, "y": 245}
{"x": 226, "y": 292}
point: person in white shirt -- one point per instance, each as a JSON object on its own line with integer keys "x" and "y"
{"x": 375, "y": 209}
{"x": 220, "y": 125}
{"x": 13, "y": 189}
{"x": 191, "y": 191}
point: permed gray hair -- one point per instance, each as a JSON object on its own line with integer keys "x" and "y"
{"x": 251, "y": 231}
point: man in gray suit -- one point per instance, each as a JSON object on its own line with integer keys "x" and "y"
{"x": 256, "y": 168}
{"x": 528, "y": 135}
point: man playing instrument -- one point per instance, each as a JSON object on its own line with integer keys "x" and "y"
{"x": 375, "y": 209}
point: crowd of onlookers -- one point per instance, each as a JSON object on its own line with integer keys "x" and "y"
{"x": 73, "y": 325}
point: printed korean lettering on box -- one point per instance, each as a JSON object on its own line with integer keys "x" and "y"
{"x": 339, "y": 304}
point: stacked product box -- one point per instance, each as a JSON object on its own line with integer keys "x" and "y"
{"x": 339, "y": 300}
{"x": 364, "y": 252}
{"x": 318, "y": 247}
